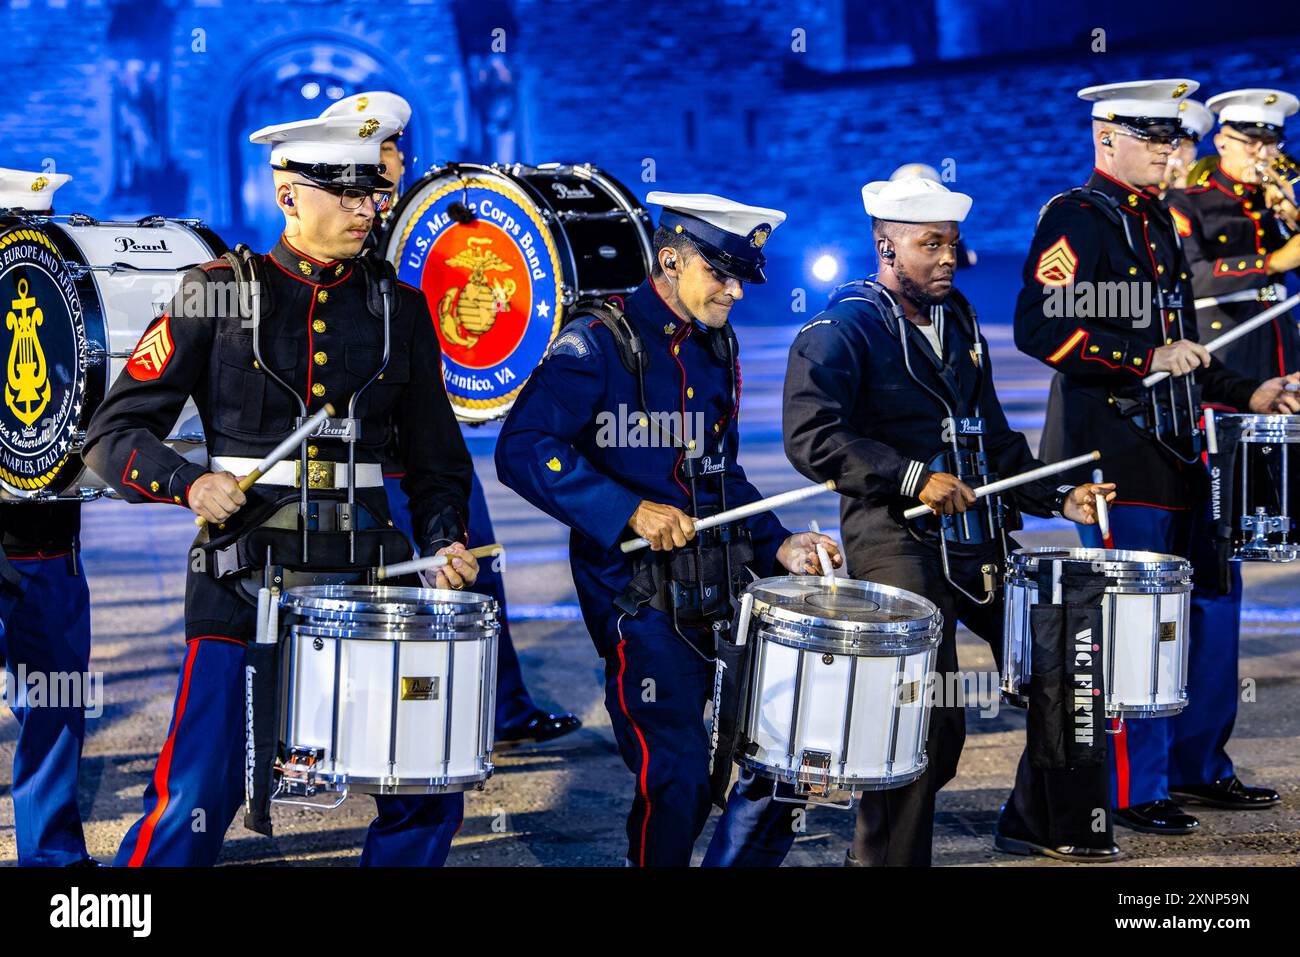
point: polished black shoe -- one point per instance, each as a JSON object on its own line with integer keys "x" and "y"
{"x": 541, "y": 726}
{"x": 1066, "y": 852}
{"x": 1157, "y": 817}
{"x": 85, "y": 862}
{"x": 1228, "y": 793}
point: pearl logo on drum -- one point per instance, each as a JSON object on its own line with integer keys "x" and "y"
{"x": 420, "y": 689}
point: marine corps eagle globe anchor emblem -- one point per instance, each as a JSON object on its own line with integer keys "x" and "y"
{"x": 467, "y": 312}
{"x": 27, "y": 390}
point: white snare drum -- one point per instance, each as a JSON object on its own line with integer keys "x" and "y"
{"x": 81, "y": 294}
{"x": 1145, "y": 614}
{"x": 386, "y": 690}
{"x": 1264, "y": 487}
{"x": 838, "y": 699}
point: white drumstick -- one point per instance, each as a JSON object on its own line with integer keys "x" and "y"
{"x": 823, "y": 558}
{"x": 744, "y": 511}
{"x": 1232, "y": 335}
{"x": 281, "y": 451}
{"x": 430, "y": 562}
{"x": 1001, "y": 485}
{"x": 1103, "y": 513}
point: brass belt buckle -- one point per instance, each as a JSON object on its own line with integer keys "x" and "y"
{"x": 320, "y": 475}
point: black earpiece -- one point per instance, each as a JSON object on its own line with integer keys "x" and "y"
{"x": 1105, "y": 140}
{"x": 670, "y": 264}
{"x": 288, "y": 201}
{"x": 887, "y": 254}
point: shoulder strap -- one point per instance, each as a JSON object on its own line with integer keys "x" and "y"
{"x": 631, "y": 350}
{"x": 1086, "y": 195}
{"x": 254, "y": 295}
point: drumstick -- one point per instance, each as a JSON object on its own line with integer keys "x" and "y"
{"x": 823, "y": 558}
{"x": 1001, "y": 485}
{"x": 744, "y": 511}
{"x": 432, "y": 561}
{"x": 281, "y": 451}
{"x": 1103, "y": 515}
{"x": 1232, "y": 335}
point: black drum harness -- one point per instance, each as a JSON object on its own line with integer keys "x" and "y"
{"x": 1169, "y": 411}
{"x": 985, "y": 521}
{"x": 326, "y": 539}
{"x": 695, "y": 585}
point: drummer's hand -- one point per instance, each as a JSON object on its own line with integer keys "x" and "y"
{"x": 1271, "y": 397}
{"x": 216, "y": 496}
{"x": 663, "y": 526}
{"x": 1179, "y": 358}
{"x": 1081, "y": 504}
{"x": 946, "y": 494}
{"x": 461, "y": 570}
{"x": 798, "y": 553}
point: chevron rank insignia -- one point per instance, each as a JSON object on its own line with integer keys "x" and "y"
{"x": 1181, "y": 223}
{"x": 1057, "y": 264}
{"x": 152, "y": 354}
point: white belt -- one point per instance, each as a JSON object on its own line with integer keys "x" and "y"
{"x": 1275, "y": 292}
{"x": 320, "y": 474}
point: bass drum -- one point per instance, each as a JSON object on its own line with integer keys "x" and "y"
{"x": 78, "y": 294}
{"x": 501, "y": 253}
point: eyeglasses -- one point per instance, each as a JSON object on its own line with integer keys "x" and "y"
{"x": 1153, "y": 140}
{"x": 1257, "y": 144}
{"x": 352, "y": 197}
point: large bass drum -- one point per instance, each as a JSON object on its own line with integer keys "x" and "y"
{"x": 501, "y": 253}
{"x": 77, "y": 295}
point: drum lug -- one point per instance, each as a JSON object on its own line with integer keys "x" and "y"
{"x": 814, "y": 774}
{"x": 298, "y": 773}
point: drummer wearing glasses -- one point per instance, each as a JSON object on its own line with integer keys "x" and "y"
{"x": 325, "y": 326}
{"x": 889, "y": 392}
{"x": 1114, "y": 233}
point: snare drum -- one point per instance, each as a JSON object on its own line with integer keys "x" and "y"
{"x": 1264, "y": 486}
{"x": 386, "y": 690}
{"x": 501, "y": 253}
{"x": 78, "y": 294}
{"x": 1145, "y": 613}
{"x": 839, "y": 698}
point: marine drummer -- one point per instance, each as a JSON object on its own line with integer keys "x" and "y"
{"x": 318, "y": 331}
{"x": 1239, "y": 248}
{"x": 664, "y": 362}
{"x": 890, "y": 392}
{"x": 1114, "y": 234}
{"x": 44, "y": 621}
{"x": 518, "y": 718}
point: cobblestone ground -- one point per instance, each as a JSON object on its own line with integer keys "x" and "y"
{"x": 565, "y": 804}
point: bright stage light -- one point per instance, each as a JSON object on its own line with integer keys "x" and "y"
{"x": 825, "y": 268}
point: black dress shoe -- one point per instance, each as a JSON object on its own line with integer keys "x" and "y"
{"x": 85, "y": 862}
{"x": 1228, "y": 793}
{"x": 1066, "y": 852}
{"x": 541, "y": 726}
{"x": 1157, "y": 817}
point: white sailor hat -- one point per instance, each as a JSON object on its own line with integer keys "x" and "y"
{"x": 1150, "y": 107}
{"x": 373, "y": 103}
{"x": 20, "y": 189}
{"x": 913, "y": 199}
{"x": 331, "y": 150}
{"x": 729, "y": 235}
{"x": 1196, "y": 119}
{"x": 1250, "y": 110}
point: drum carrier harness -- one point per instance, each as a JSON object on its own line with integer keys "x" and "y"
{"x": 695, "y": 585}
{"x": 1169, "y": 411}
{"x": 322, "y": 538}
{"x": 985, "y": 521}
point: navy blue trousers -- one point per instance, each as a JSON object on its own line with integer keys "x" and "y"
{"x": 1150, "y": 754}
{"x": 45, "y": 635}
{"x": 198, "y": 784}
{"x": 514, "y": 704}
{"x": 656, "y": 687}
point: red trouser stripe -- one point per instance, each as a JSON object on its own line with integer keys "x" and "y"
{"x": 1120, "y": 743}
{"x": 163, "y": 770}
{"x": 645, "y": 752}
